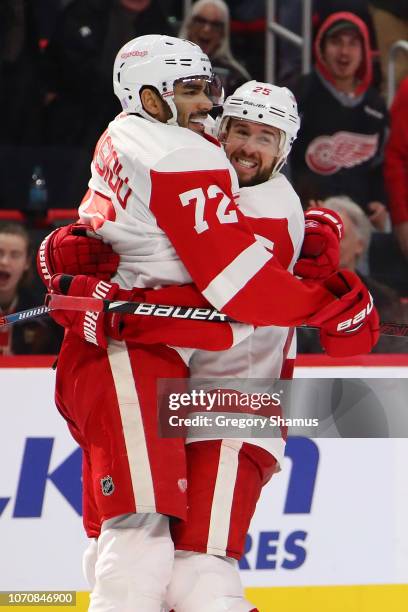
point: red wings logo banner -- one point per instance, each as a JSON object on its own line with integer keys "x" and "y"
{"x": 329, "y": 154}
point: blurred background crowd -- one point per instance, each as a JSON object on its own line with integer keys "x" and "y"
{"x": 351, "y": 154}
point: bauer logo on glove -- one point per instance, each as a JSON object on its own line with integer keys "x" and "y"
{"x": 358, "y": 319}
{"x": 350, "y": 325}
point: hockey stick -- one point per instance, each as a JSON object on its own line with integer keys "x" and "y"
{"x": 23, "y": 315}
{"x": 60, "y": 302}
{"x": 66, "y": 302}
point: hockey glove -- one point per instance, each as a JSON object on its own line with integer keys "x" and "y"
{"x": 90, "y": 326}
{"x": 350, "y": 325}
{"x": 320, "y": 253}
{"x": 70, "y": 250}
{"x": 96, "y": 327}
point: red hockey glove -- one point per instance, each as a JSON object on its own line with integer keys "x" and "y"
{"x": 89, "y": 326}
{"x": 320, "y": 253}
{"x": 350, "y": 325}
{"x": 69, "y": 250}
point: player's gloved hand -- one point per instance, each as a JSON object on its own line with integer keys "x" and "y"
{"x": 70, "y": 250}
{"x": 320, "y": 253}
{"x": 96, "y": 327}
{"x": 350, "y": 325}
{"x": 90, "y": 326}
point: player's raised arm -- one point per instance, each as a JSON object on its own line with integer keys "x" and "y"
{"x": 229, "y": 266}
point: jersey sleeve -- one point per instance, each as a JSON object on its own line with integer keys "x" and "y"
{"x": 234, "y": 272}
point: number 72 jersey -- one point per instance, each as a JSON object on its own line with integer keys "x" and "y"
{"x": 165, "y": 199}
{"x": 145, "y": 173}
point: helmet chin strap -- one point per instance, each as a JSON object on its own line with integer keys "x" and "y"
{"x": 173, "y": 109}
{"x": 146, "y": 115}
{"x": 278, "y": 165}
{"x": 171, "y": 106}
{"x": 281, "y": 157}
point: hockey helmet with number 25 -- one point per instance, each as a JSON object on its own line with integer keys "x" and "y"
{"x": 160, "y": 61}
{"x": 263, "y": 103}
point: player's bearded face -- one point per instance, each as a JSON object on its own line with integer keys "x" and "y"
{"x": 192, "y": 103}
{"x": 252, "y": 149}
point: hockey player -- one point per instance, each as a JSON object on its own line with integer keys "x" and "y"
{"x": 258, "y": 147}
{"x": 257, "y": 128}
{"x": 138, "y": 200}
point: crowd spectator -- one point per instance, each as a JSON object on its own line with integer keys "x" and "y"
{"x": 354, "y": 248}
{"x": 390, "y": 19}
{"x": 339, "y": 149}
{"x": 21, "y": 33}
{"x": 396, "y": 166}
{"x": 358, "y": 232}
{"x": 324, "y": 8}
{"x": 290, "y": 16}
{"x": 248, "y": 27}
{"x": 78, "y": 64}
{"x": 289, "y": 56}
{"x": 208, "y": 25}
{"x": 17, "y": 292}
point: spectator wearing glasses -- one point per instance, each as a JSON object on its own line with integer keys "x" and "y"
{"x": 208, "y": 25}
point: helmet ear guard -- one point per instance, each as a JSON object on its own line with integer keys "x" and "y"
{"x": 266, "y": 104}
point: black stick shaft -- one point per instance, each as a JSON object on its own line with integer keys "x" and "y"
{"x": 61, "y": 302}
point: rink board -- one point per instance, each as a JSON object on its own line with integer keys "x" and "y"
{"x": 310, "y": 548}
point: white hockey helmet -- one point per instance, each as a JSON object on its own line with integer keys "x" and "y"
{"x": 159, "y": 61}
{"x": 263, "y": 103}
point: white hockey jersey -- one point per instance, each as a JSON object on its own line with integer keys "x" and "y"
{"x": 118, "y": 204}
{"x": 164, "y": 198}
{"x": 275, "y": 213}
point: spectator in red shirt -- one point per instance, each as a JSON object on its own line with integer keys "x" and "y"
{"x": 396, "y": 166}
